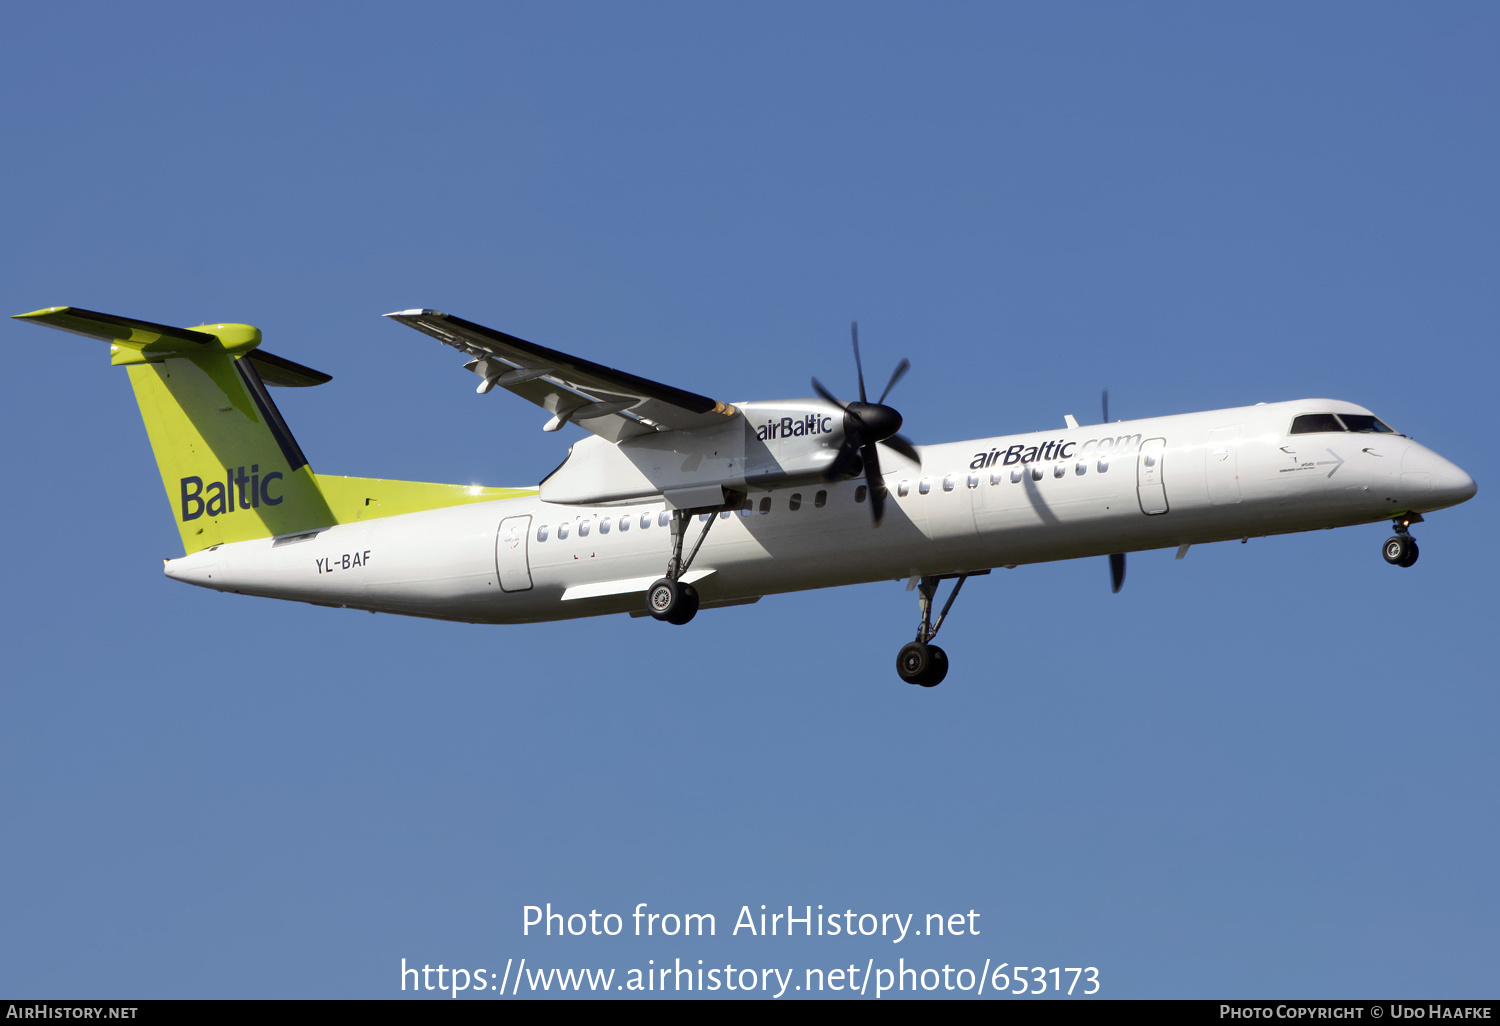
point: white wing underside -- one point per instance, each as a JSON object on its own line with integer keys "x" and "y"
{"x": 610, "y": 403}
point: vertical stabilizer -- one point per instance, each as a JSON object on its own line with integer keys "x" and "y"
{"x": 231, "y": 468}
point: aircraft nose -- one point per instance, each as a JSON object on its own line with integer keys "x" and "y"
{"x": 1451, "y": 485}
{"x": 1431, "y": 482}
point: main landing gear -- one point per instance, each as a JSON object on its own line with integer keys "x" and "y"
{"x": 671, "y": 599}
{"x": 1401, "y": 548}
{"x": 920, "y": 661}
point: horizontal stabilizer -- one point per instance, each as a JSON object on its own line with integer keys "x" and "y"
{"x": 138, "y": 341}
{"x": 277, "y": 370}
{"x": 123, "y": 331}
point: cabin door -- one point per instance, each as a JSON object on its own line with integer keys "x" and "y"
{"x": 510, "y": 554}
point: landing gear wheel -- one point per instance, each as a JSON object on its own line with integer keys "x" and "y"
{"x": 939, "y": 668}
{"x": 1400, "y": 550}
{"x": 1411, "y": 554}
{"x": 687, "y": 605}
{"x": 926, "y": 665}
{"x": 912, "y": 662}
{"x": 672, "y": 601}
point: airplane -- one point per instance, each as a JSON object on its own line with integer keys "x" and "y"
{"x": 804, "y": 493}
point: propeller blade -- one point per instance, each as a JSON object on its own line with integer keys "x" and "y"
{"x": 874, "y": 480}
{"x": 901, "y": 369}
{"x": 818, "y": 388}
{"x": 902, "y": 445}
{"x": 1105, "y": 400}
{"x": 1117, "y": 570}
{"x": 845, "y": 462}
{"x": 859, "y": 367}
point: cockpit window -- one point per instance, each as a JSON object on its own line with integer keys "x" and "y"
{"x": 1364, "y": 422}
{"x": 1313, "y": 423}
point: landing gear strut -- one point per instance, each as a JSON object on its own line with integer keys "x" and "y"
{"x": 920, "y": 662}
{"x": 1401, "y": 548}
{"x": 670, "y": 598}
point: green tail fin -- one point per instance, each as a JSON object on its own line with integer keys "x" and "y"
{"x": 231, "y": 469}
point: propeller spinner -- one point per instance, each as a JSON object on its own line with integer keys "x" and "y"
{"x": 865, "y": 425}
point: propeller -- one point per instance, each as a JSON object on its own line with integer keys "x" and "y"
{"x": 865, "y": 425}
{"x": 1117, "y": 571}
{"x": 1116, "y": 559}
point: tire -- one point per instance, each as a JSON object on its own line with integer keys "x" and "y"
{"x": 687, "y": 605}
{"x": 1411, "y": 553}
{"x": 913, "y": 662}
{"x": 1399, "y": 550}
{"x": 662, "y": 598}
{"x": 937, "y": 669}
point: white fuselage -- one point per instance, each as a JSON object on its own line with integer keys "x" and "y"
{"x": 1073, "y": 492}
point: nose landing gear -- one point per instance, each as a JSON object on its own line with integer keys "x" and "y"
{"x": 1401, "y": 548}
{"x": 919, "y": 663}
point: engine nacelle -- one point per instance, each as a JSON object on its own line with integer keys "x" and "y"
{"x": 767, "y": 445}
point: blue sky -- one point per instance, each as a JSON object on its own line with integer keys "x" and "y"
{"x": 1263, "y": 770}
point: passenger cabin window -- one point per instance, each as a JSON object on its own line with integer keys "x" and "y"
{"x": 795, "y": 502}
{"x": 663, "y": 518}
{"x": 724, "y": 514}
{"x": 541, "y": 533}
{"x": 1036, "y": 473}
{"x": 1081, "y": 469}
{"x": 604, "y": 526}
{"x": 562, "y": 531}
{"x": 996, "y": 477}
{"x": 1015, "y": 476}
{"x": 860, "y": 493}
{"x": 765, "y": 504}
{"x": 1103, "y": 466}
{"x": 948, "y": 483}
{"x": 748, "y": 509}
{"x": 925, "y": 485}
{"x": 1059, "y": 470}
{"x": 973, "y": 480}
{"x": 821, "y": 499}
{"x": 583, "y": 528}
{"x": 645, "y": 521}
{"x": 1316, "y": 423}
{"x": 903, "y": 489}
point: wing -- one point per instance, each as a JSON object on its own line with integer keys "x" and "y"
{"x": 611, "y": 403}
